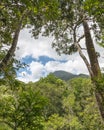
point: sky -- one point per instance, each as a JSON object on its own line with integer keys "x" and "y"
{"x": 42, "y": 59}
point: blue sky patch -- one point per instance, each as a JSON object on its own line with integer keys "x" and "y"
{"x": 45, "y": 59}
{"x": 28, "y": 59}
{"x": 42, "y": 59}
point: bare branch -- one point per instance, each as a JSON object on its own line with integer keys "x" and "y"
{"x": 84, "y": 59}
{"x": 81, "y": 54}
{"x": 80, "y": 38}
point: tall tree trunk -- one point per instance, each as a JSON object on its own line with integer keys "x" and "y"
{"x": 94, "y": 67}
{"x": 4, "y": 63}
{"x": 12, "y": 49}
{"x": 91, "y": 51}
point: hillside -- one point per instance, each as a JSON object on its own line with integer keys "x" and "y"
{"x": 66, "y": 75}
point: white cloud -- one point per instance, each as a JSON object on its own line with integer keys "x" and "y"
{"x": 36, "y": 71}
{"x": 39, "y": 70}
{"x": 75, "y": 66}
{"x": 35, "y": 47}
{"x": 42, "y": 47}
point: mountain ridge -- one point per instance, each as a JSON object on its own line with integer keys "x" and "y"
{"x": 64, "y": 75}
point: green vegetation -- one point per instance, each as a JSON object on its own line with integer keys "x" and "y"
{"x": 62, "y": 19}
{"x": 52, "y": 104}
{"x": 49, "y": 104}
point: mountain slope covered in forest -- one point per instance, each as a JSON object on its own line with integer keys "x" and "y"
{"x": 67, "y": 76}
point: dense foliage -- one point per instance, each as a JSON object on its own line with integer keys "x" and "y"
{"x": 49, "y": 104}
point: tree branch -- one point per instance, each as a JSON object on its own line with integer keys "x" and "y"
{"x": 84, "y": 59}
{"x": 81, "y": 54}
{"x": 79, "y": 39}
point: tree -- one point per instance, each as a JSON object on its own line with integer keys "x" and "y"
{"x": 73, "y": 26}
{"x": 16, "y": 15}
{"x": 49, "y": 104}
{"x": 80, "y": 105}
{"x": 52, "y": 88}
{"x": 11, "y": 24}
{"x": 22, "y": 109}
{"x": 63, "y": 19}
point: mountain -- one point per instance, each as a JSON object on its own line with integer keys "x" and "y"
{"x": 67, "y": 76}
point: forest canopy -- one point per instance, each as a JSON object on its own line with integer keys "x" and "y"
{"x": 49, "y": 103}
{"x": 52, "y": 103}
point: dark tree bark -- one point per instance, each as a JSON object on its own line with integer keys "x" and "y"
{"x": 94, "y": 67}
